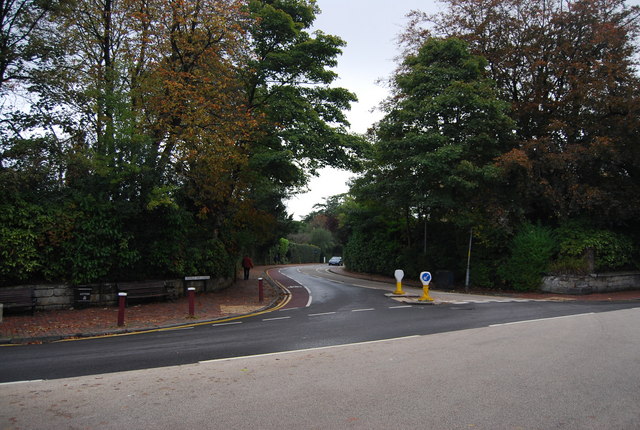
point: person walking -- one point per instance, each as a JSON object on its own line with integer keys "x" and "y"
{"x": 247, "y": 264}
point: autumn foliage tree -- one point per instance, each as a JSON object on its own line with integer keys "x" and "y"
{"x": 162, "y": 136}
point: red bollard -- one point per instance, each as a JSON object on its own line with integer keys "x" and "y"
{"x": 122, "y": 301}
{"x": 192, "y": 295}
{"x": 260, "y": 290}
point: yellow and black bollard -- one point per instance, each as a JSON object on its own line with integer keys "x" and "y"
{"x": 425, "y": 278}
{"x": 399, "y": 274}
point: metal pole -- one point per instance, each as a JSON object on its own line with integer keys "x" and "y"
{"x": 122, "y": 300}
{"x": 192, "y": 294}
{"x": 260, "y": 290}
{"x": 424, "y": 250}
{"x": 466, "y": 280}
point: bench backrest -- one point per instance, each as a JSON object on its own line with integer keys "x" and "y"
{"x": 19, "y": 295}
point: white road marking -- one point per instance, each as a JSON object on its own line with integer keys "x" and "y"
{"x": 542, "y": 319}
{"x": 362, "y": 310}
{"x": 320, "y": 314}
{"x": 400, "y": 307}
{"x": 310, "y": 297}
{"x": 20, "y": 382}
{"x": 276, "y": 319}
{"x": 228, "y": 323}
{"x": 308, "y": 350}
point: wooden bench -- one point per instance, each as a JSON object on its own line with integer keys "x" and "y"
{"x": 145, "y": 290}
{"x": 18, "y": 298}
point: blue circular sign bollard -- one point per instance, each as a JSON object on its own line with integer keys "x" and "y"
{"x": 425, "y": 277}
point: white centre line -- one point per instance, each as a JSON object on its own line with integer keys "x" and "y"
{"x": 541, "y": 319}
{"x": 276, "y": 319}
{"x": 323, "y": 313}
{"x": 400, "y": 307}
{"x": 229, "y": 323}
{"x": 362, "y": 310}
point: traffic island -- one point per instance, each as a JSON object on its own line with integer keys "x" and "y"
{"x": 414, "y": 300}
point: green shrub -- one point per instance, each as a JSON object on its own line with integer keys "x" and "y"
{"x": 611, "y": 250}
{"x": 99, "y": 245}
{"x": 372, "y": 254}
{"x": 19, "y": 237}
{"x": 569, "y": 266}
{"x": 283, "y": 249}
{"x": 482, "y": 275}
{"x": 303, "y": 253}
{"x": 531, "y": 251}
{"x": 487, "y": 254}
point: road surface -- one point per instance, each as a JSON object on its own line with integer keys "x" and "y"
{"x": 324, "y": 311}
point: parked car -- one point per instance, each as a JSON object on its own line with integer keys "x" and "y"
{"x": 335, "y": 261}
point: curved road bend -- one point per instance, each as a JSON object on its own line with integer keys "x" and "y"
{"x": 322, "y": 311}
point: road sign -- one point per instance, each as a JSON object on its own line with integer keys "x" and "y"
{"x": 425, "y": 278}
{"x": 197, "y": 278}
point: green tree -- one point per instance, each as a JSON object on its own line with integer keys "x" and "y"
{"x": 163, "y": 136}
{"x": 287, "y": 78}
{"x": 432, "y": 170}
{"x": 568, "y": 70}
{"x": 25, "y": 44}
{"x": 443, "y": 128}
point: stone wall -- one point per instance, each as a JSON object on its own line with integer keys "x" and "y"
{"x": 51, "y": 297}
{"x": 594, "y": 283}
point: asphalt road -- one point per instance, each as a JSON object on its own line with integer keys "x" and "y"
{"x": 576, "y": 372}
{"x": 328, "y": 311}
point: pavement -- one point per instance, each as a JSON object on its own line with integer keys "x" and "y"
{"x": 49, "y": 326}
{"x": 239, "y": 300}
{"x": 413, "y": 288}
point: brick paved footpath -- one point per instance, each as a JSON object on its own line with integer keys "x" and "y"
{"x": 240, "y": 298}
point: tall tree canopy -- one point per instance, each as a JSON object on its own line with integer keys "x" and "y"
{"x": 443, "y": 128}
{"x": 519, "y": 118}
{"x": 159, "y": 137}
{"x": 433, "y": 157}
{"x": 568, "y": 70}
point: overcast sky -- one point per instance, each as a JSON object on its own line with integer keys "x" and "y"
{"x": 370, "y": 28}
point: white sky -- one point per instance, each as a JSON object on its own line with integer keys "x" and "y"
{"x": 370, "y": 28}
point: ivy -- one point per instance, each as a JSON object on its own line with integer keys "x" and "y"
{"x": 612, "y": 250}
{"x": 19, "y": 236}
